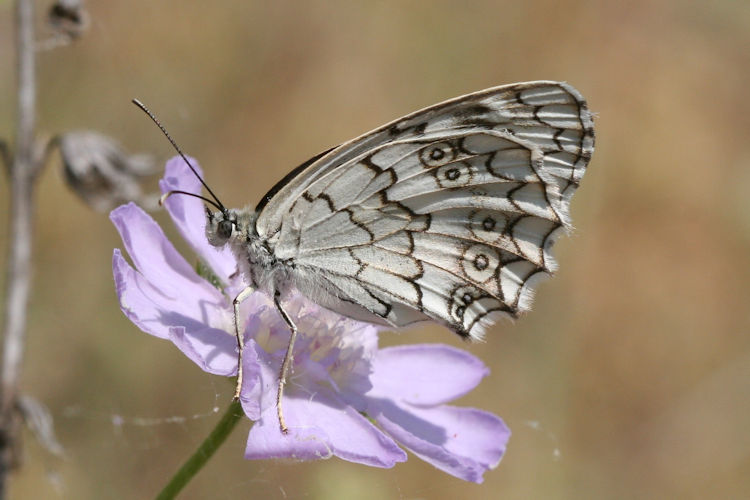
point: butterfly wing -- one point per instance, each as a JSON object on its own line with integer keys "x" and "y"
{"x": 447, "y": 214}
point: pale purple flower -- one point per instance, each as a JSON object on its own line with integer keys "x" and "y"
{"x": 345, "y": 397}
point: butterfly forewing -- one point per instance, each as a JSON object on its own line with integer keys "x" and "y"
{"x": 447, "y": 214}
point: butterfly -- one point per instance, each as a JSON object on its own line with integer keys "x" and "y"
{"x": 448, "y": 214}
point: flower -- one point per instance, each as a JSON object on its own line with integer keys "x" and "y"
{"x": 345, "y": 397}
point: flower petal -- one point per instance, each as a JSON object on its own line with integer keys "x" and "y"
{"x": 213, "y": 350}
{"x": 136, "y": 296}
{"x": 167, "y": 298}
{"x": 426, "y": 374}
{"x": 464, "y": 442}
{"x": 321, "y": 426}
{"x": 189, "y": 215}
{"x": 175, "y": 288}
{"x": 155, "y": 256}
{"x": 256, "y": 376}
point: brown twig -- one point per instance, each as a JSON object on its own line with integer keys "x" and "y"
{"x": 23, "y": 170}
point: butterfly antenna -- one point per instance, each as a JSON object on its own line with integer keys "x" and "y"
{"x": 143, "y": 107}
{"x": 186, "y": 193}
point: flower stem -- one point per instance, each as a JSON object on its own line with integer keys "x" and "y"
{"x": 204, "y": 452}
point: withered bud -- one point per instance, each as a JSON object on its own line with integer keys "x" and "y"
{"x": 101, "y": 173}
{"x": 68, "y": 18}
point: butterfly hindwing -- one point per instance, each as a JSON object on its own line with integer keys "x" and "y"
{"x": 448, "y": 214}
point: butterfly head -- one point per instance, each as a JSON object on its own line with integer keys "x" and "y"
{"x": 220, "y": 226}
{"x": 226, "y": 225}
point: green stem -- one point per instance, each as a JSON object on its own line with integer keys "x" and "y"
{"x": 204, "y": 452}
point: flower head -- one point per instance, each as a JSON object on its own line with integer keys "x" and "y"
{"x": 345, "y": 397}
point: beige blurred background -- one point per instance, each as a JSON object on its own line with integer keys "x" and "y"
{"x": 631, "y": 377}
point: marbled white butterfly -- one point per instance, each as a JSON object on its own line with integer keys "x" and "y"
{"x": 448, "y": 214}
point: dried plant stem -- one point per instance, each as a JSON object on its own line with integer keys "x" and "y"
{"x": 24, "y": 166}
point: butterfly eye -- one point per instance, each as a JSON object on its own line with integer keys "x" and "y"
{"x": 225, "y": 229}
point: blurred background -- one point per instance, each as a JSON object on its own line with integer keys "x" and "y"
{"x": 629, "y": 379}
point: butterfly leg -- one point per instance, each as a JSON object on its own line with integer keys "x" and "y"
{"x": 288, "y": 357}
{"x": 239, "y": 299}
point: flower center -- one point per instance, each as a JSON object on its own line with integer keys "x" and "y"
{"x": 329, "y": 347}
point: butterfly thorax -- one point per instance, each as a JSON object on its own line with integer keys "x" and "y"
{"x": 255, "y": 257}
